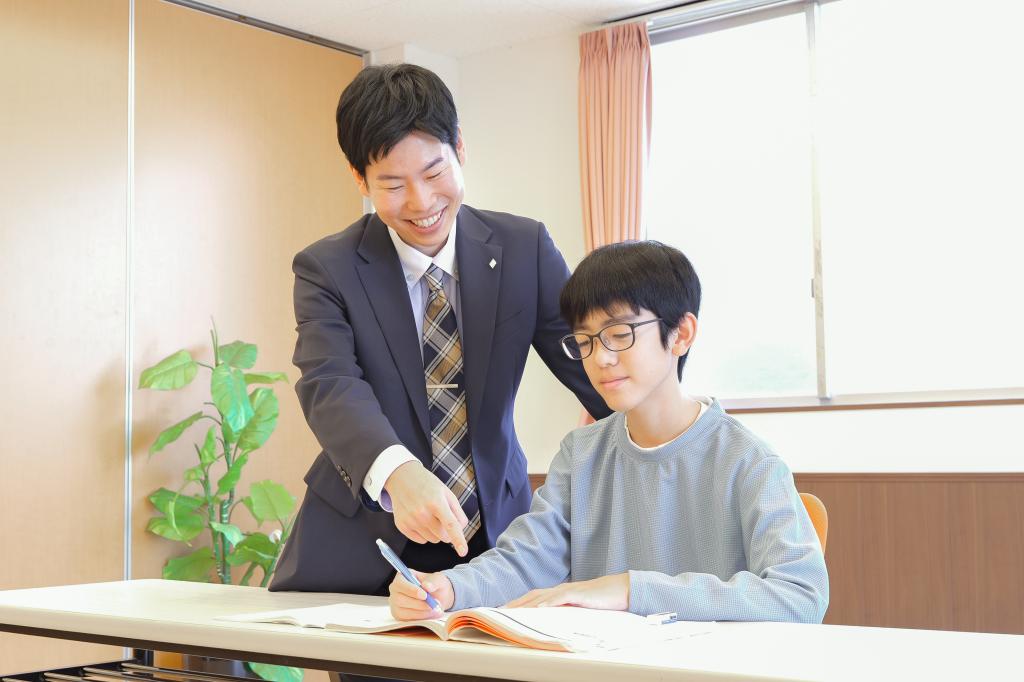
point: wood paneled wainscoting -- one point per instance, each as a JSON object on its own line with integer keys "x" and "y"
{"x": 934, "y": 551}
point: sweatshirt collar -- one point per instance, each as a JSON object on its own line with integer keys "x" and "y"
{"x": 678, "y": 445}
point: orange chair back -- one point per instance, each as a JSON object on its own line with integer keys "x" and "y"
{"x": 819, "y": 516}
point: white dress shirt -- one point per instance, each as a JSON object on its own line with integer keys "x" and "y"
{"x": 414, "y": 265}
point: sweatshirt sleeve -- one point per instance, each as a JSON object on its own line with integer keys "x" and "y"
{"x": 532, "y": 553}
{"x": 785, "y": 580}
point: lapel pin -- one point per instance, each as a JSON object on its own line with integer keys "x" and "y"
{"x": 493, "y": 263}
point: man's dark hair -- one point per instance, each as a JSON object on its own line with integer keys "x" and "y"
{"x": 638, "y": 274}
{"x": 385, "y": 103}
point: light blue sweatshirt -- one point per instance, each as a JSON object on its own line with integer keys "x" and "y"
{"x": 709, "y": 525}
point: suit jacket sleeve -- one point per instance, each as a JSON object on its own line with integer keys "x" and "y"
{"x": 553, "y": 273}
{"x": 340, "y": 407}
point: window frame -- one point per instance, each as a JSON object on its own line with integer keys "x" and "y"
{"x": 717, "y": 15}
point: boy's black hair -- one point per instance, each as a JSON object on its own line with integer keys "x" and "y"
{"x": 639, "y": 274}
{"x": 385, "y": 103}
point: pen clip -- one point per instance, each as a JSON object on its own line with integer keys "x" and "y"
{"x": 662, "y": 618}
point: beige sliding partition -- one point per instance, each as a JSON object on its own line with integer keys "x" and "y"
{"x": 237, "y": 168}
{"x": 63, "y": 173}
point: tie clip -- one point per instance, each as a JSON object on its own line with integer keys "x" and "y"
{"x": 432, "y": 387}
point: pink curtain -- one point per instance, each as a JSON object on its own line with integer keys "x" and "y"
{"x": 615, "y": 131}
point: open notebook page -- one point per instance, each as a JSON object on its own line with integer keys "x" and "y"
{"x": 591, "y": 629}
{"x": 350, "y": 617}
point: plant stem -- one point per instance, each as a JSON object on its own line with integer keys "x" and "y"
{"x": 211, "y": 513}
{"x": 226, "y": 507}
{"x": 220, "y": 549}
{"x": 286, "y": 529}
{"x": 213, "y": 337}
{"x": 267, "y": 574}
{"x": 248, "y": 574}
{"x": 225, "y": 517}
{"x": 216, "y": 546}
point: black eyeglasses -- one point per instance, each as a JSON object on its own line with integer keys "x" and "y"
{"x": 615, "y": 337}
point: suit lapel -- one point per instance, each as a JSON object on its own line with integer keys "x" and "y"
{"x": 478, "y": 291}
{"x": 384, "y": 282}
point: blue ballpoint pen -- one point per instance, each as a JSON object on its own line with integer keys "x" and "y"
{"x": 393, "y": 559}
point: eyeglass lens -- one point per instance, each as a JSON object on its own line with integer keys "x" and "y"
{"x": 617, "y": 337}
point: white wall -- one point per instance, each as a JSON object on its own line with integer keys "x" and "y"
{"x": 518, "y": 112}
{"x": 447, "y": 68}
{"x": 518, "y": 108}
{"x": 949, "y": 439}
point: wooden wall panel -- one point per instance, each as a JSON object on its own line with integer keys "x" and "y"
{"x": 930, "y": 551}
{"x": 237, "y": 168}
{"x": 63, "y": 171}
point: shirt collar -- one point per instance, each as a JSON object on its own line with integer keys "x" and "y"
{"x": 416, "y": 263}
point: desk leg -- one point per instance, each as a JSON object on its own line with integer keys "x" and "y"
{"x": 142, "y": 656}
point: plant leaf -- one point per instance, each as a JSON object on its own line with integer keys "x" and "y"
{"x": 270, "y": 501}
{"x": 194, "y": 567}
{"x": 230, "y": 437}
{"x": 208, "y": 453}
{"x": 171, "y": 373}
{"x": 172, "y": 433}
{"x": 276, "y": 673}
{"x": 194, "y": 474}
{"x": 238, "y": 354}
{"x": 265, "y": 377}
{"x": 168, "y": 500}
{"x": 257, "y": 548}
{"x": 230, "y": 479}
{"x": 180, "y": 527}
{"x": 232, "y": 532}
{"x": 227, "y": 386}
{"x": 263, "y": 422}
{"x": 180, "y": 522}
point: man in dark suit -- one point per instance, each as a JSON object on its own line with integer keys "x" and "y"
{"x": 414, "y": 325}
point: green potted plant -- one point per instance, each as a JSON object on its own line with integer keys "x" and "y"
{"x": 241, "y": 420}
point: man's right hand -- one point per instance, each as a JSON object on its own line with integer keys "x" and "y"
{"x": 425, "y": 509}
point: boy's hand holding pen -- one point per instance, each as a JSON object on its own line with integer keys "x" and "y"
{"x": 415, "y": 595}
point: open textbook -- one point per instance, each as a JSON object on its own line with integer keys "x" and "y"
{"x": 560, "y": 628}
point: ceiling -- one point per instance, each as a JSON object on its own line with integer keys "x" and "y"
{"x": 456, "y": 28}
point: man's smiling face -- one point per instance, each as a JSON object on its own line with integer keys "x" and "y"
{"x": 417, "y": 189}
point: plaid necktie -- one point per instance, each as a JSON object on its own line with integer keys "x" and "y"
{"x": 446, "y": 400}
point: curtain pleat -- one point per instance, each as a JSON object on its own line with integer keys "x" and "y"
{"x": 614, "y": 130}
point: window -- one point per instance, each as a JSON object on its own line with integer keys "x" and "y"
{"x": 888, "y": 132}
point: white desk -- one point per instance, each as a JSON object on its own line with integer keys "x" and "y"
{"x": 179, "y": 616}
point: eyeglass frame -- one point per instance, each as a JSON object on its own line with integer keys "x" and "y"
{"x": 632, "y": 328}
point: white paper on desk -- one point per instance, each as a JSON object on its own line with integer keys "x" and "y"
{"x": 365, "y": 618}
{"x": 597, "y": 629}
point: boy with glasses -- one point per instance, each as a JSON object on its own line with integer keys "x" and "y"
{"x": 669, "y": 504}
